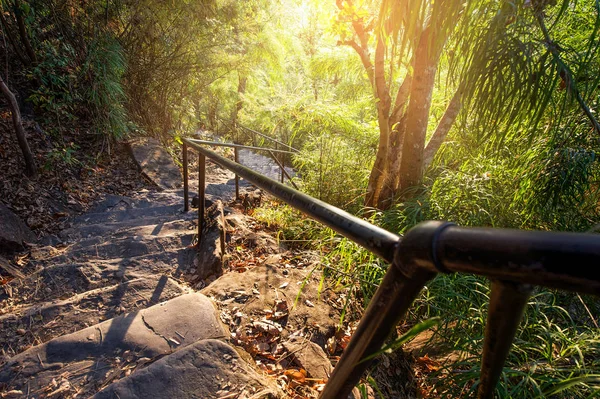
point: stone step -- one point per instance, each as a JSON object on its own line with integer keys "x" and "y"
{"x": 207, "y": 369}
{"x": 113, "y": 203}
{"x": 61, "y": 281}
{"x": 119, "y": 247}
{"x": 150, "y": 226}
{"x": 88, "y": 360}
{"x": 44, "y": 321}
{"x": 170, "y": 197}
{"x": 128, "y": 214}
{"x": 175, "y": 195}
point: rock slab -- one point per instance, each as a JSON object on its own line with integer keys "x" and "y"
{"x": 156, "y": 163}
{"x": 206, "y": 369}
{"x": 13, "y": 231}
{"x": 310, "y": 357}
{"x": 92, "y": 356}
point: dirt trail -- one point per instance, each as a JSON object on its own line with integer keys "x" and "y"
{"x": 130, "y": 294}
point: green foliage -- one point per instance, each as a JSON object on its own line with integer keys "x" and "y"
{"x": 63, "y": 156}
{"x": 406, "y": 337}
{"x": 556, "y": 346}
{"x": 58, "y": 95}
{"x": 103, "y": 71}
{"x": 289, "y": 223}
{"x": 77, "y": 75}
{"x": 332, "y": 170}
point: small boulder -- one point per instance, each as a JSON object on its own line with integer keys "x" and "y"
{"x": 14, "y": 233}
{"x": 310, "y": 357}
{"x": 156, "y": 163}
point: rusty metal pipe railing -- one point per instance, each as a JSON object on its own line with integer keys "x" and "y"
{"x": 269, "y": 138}
{"x": 559, "y": 260}
{"x": 186, "y": 202}
{"x": 283, "y": 171}
{"x": 513, "y": 259}
{"x": 254, "y": 132}
{"x": 236, "y": 158}
{"x": 233, "y": 145}
{"x": 201, "y": 193}
{"x": 377, "y": 240}
{"x": 566, "y": 261}
{"x": 236, "y": 148}
{"x": 507, "y": 304}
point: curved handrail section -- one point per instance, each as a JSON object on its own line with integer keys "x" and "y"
{"x": 513, "y": 260}
{"x": 234, "y": 145}
{"x": 266, "y": 136}
{"x": 377, "y": 240}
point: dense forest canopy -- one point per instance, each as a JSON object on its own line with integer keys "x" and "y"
{"x": 480, "y": 112}
{"x": 392, "y": 83}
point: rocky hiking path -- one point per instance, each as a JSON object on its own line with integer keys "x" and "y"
{"x": 128, "y": 305}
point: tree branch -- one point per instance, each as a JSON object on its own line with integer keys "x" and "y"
{"x": 30, "y": 167}
{"x": 564, "y": 71}
{"x": 401, "y": 99}
{"x": 11, "y": 39}
{"x": 380, "y": 83}
{"x": 23, "y": 32}
{"x": 443, "y": 127}
{"x": 363, "y": 54}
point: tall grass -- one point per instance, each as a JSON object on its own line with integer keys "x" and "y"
{"x": 556, "y": 352}
{"x": 103, "y": 70}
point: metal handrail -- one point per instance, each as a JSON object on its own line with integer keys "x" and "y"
{"x": 269, "y": 138}
{"x": 514, "y": 260}
{"x": 373, "y": 238}
{"x": 259, "y": 133}
{"x": 236, "y": 148}
{"x": 234, "y": 145}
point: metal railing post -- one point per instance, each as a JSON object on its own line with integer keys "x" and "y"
{"x": 186, "y": 206}
{"x": 507, "y": 303}
{"x": 279, "y": 162}
{"x": 401, "y": 284}
{"x": 201, "y": 188}
{"x": 283, "y": 171}
{"x": 236, "y": 157}
{"x": 282, "y": 168}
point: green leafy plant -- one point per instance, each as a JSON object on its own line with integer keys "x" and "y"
{"x": 62, "y": 156}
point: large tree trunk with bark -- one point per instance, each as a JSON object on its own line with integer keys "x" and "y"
{"x": 378, "y": 173}
{"x": 417, "y": 114}
{"x": 397, "y": 123}
{"x": 381, "y": 90}
{"x": 400, "y": 157}
{"x": 30, "y": 167}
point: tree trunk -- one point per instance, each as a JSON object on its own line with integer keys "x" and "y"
{"x": 381, "y": 166}
{"x": 392, "y": 179}
{"x": 23, "y": 32}
{"x": 242, "y": 80}
{"x": 417, "y": 114}
{"x": 397, "y": 124}
{"x": 11, "y": 39}
{"x": 378, "y": 173}
{"x": 443, "y": 127}
{"x": 30, "y": 167}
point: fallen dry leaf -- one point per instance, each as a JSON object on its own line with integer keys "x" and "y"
{"x": 298, "y": 375}
{"x": 428, "y": 363}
